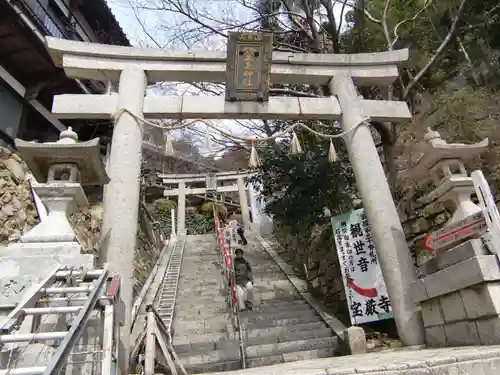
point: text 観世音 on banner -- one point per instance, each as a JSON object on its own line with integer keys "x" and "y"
{"x": 363, "y": 281}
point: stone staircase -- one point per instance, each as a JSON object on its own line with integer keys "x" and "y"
{"x": 202, "y": 331}
{"x": 282, "y": 328}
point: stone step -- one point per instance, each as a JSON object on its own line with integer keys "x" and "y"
{"x": 202, "y": 310}
{"x": 209, "y": 343}
{"x": 262, "y": 294}
{"x": 256, "y": 316}
{"x": 185, "y": 292}
{"x": 196, "y": 310}
{"x": 269, "y": 322}
{"x": 214, "y": 299}
{"x": 193, "y": 320}
{"x": 201, "y": 262}
{"x": 200, "y": 315}
{"x": 201, "y": 339}
{"x": 206, "y": 263}
{"x": 266, "y": 277}
{"x": 268, "y": 350}
{"x": 217, "y": 296}
{"x": 285, "y": 300}
{"x": 277, "y": 284}
{"x": 214, "y": 305}
{"x": 297, "y": 304}
{"x": 182, "y": 330}
{"x": 205, "y": 347}
{"x": 208, "y": 359}
{"x": 258, "y": 355}
{"x": 195, "y": 275}
{"x": 274, "y": 270}
{"x": 213, "y": 367}
{"x": 216, "y": 281}
{"x": 270, "y": 288}
{"x": 286, "y": 336}
{"x": 283, "y": 295}
{"x": 201, "y": 301}
{"x": 200, "y": 286}
{"x": 200, "y": 254}
{"x": 289, "y": 357}
{"x": 277, "y": 331}
{"x": 277, "y": 304}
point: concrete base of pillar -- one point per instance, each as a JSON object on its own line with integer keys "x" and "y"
{"x": 26, "y": 264}
{"x": 460, "y": 297}
{"x": 354, "y": 340}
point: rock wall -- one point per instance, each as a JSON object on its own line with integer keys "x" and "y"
{"x": 18, "y": 215}
{"x": 17, "y": 212}
{"x": 314, "y": 257}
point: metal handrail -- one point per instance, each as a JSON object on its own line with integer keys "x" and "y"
{"x": 237, "y": 316}
{"x": 229, "y": 279}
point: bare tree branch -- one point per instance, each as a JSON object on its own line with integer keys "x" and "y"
{"x": 439, "y": 50}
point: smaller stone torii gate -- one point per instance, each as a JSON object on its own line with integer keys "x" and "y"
{"x": 181, "y": 190}
{"x": 133, "y": 68}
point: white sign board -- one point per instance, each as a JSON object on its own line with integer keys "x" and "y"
{"x": 486, "y": 201}
{"x": 363, "y": 282}
{"x": 472, "y": 226}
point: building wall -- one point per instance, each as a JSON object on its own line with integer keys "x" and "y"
{"x": 11, "y": 110}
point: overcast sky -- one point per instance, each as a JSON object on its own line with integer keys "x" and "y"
{"x": 162, "y": 25}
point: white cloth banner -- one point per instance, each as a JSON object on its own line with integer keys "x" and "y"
{"x": 363, "y": 281}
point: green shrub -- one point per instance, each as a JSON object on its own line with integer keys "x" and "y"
{"x": 162, "y": 213}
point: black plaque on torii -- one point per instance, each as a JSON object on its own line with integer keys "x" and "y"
{"x": 210, "y": 185}
{"x": 248, "y": 66}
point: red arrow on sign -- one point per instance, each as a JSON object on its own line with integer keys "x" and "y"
{"x": 468, "y": 227}
{"x": 365, "y": 292}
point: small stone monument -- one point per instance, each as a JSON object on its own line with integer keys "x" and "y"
{"x": 460, "y": 291}
{"x": 60, "y": 169}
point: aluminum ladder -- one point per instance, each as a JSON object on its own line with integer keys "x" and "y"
{"x": 69, "y": 297}
{"x": 168, "y": 293}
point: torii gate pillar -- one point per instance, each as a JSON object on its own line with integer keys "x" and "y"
{"x": 390, "y": 241}
{"x": 121, "y": 197}
{"x": 245, "y": 214}
{"x": 181, "y": 208}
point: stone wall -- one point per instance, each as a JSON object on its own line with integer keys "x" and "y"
{"x": 314, "y": 258}
{"x": 17, "y": 212}
{"x": 18, "y": 215}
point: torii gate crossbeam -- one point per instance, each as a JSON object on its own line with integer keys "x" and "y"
{"x": 182, "y": 190}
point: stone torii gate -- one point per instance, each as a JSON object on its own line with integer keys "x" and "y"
{"x": 133, "y": 68}
{"x": 181, "y": 190}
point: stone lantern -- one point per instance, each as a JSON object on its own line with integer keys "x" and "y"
{"x": 60, "y": 169}
{"x": 458, "y": 292}
{"x": 443, "y": 164}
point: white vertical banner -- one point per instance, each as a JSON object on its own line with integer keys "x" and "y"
{"x": 486, "y": 201}
{"x": 363, "y": 281}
